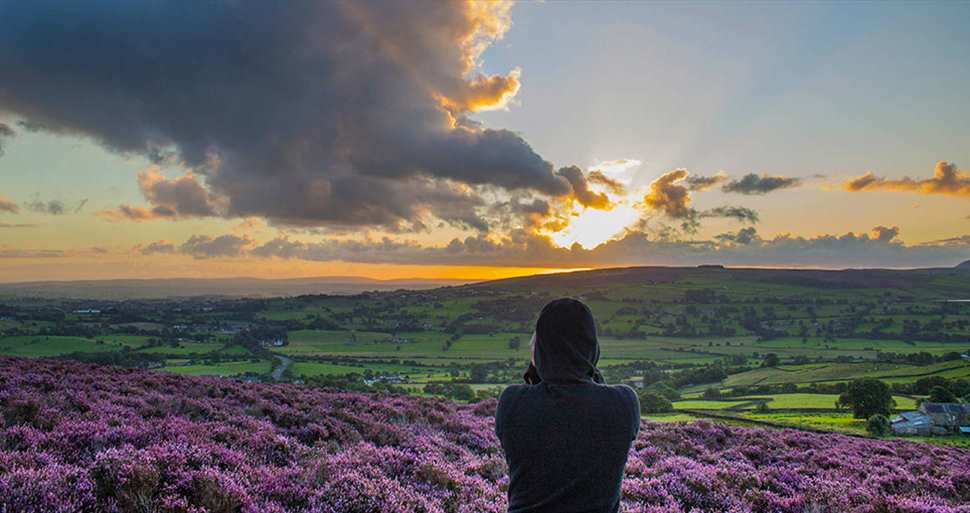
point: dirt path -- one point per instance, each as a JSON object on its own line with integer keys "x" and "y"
{"x": 280, "y": 369}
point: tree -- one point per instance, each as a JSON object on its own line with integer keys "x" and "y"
{"x": 867, "y": 397}
{"x": 878, "y": 425}
{"x": 665, "y": 390}
{"x": 515, "y": 343}
{"x": 771, "y": 360}
{"x": 941, "y": 394}
{"x": 712, "y": 394}
{"x": 654, "y": 403}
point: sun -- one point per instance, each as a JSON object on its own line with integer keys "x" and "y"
{"x": 592, "y": 227}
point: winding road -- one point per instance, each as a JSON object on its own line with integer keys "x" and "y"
{"x": 280, "y": 369}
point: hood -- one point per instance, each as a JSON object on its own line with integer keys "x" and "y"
{"x": 566, "y": 348}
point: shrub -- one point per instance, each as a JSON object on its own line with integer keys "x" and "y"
{"x": 654, "y": 403}
{"x": 878, "y": 425}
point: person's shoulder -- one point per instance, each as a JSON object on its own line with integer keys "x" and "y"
{"x": 624, "y": 391}
{"x": 625, "y": 394}
{"x": 511, "y": 392}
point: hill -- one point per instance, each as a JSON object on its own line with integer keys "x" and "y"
{"x": 85, "y": 438}
{"x": 227, "y": 287}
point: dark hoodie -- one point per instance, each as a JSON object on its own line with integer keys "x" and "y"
{"x": 566, "y": 434}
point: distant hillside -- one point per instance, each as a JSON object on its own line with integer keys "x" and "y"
{"x": 231, "y": 287}
{"x": 963, "y": 265}
{"x": 937, "y": 282}
{"x": 89, "y": 439}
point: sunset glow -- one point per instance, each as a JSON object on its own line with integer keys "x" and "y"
{"x": 488, "y": 142}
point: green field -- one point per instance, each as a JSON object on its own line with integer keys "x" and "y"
{"x": 184, "y": 348}
{"x": 796, "y": 401}
{"x": 837, "y": 372}
{"x": 220, "y": 369}
{"x": 42, "y": 346}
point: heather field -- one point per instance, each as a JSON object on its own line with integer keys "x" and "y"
{"x": 84, "y": 438}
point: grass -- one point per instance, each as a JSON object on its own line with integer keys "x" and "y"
{"x": 669, "y": 417}
{"x": 835, "y": 372}
{"x": 42, "y": 346}
{"x": 184, "y": 348}
{"x": 414, "y": 373}
{"x": 797, "y": 401}
{"x": 221, "y": 368}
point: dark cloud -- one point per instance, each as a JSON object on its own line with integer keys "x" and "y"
{"x": 744, "y": 247}
{"x": 702, "y": 183}
{"x": 5, "y": 133}
{"x": 754, "y": 184}
{"x": 203, "y": 246}
{"x": 947, "y": 180}
{"x": 130, "y": 213}
{"x": 884, "y": 234}
{"x": 7, "y": 205}
{"x": 670, "y": 195}
{"x": 158, "y": 247}
{"x": 743, "y": 236}
{"x": 741, "y": 214}
{"x": 323, "y": 113}
{"x": 52, "y": 207}
{"x": 581, "y": 191}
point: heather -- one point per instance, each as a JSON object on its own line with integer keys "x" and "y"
{"x": 77, "y": 437}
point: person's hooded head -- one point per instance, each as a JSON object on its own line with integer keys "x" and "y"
{"x": 565, "y": 349}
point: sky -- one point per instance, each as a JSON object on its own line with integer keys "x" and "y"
{"x": 478, "y": 139}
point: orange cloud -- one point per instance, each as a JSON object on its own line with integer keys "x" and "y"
{"x": 669, "y": 196}
{"x": 183, "y": 196}
{"x": 8, "y": 206}
{"x": 947, "y": 180}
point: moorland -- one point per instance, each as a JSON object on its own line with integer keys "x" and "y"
{"x": 767, "y": 345}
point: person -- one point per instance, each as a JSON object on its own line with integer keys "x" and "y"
{"x": 566, "y": 433}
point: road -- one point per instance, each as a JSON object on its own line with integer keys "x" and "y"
{"x": 281, "y": 367}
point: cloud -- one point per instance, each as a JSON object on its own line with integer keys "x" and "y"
{"x": 7, "y": 205}
{"x": 743, "y": 236}
{"x": 668, "y": 195}
{"x": 947, "y": 180}
{"x": 581, "y": 191}
{"x": 614, "y": 186}
{"x": 130, "y": 213}
{"x": 321, "y": 114}
{"x": 754, "y": 184}
{"x": 204, "y": 246}
{"x": 52, "y": 207}
{"x": 881, "y": 248}
{"x": 884, "y": 234}
{"x": 5, "y": 133}
{"x": 741, "y": 214}
{"x": 158, "y": 247}
{"x": 702, "y": 183}
{"x": 31, "y": 253}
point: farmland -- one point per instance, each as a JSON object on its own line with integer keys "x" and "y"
{"x": 779, "y": 340}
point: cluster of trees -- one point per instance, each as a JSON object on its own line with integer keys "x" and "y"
{"x": 944, "y": 388}
{"x": 867, "y": 397}
{"x": 456, "y": 391}
{"x": 658, "y": 398}
{"x": 124, "y": 357}
{"x": 352, "y": 382}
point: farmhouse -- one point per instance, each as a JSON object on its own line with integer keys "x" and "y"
{"x": 933, "y": 418}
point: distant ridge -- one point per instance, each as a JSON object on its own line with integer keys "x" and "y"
{"x": 226, "y": 287}
{"x": 963, "y": 265}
